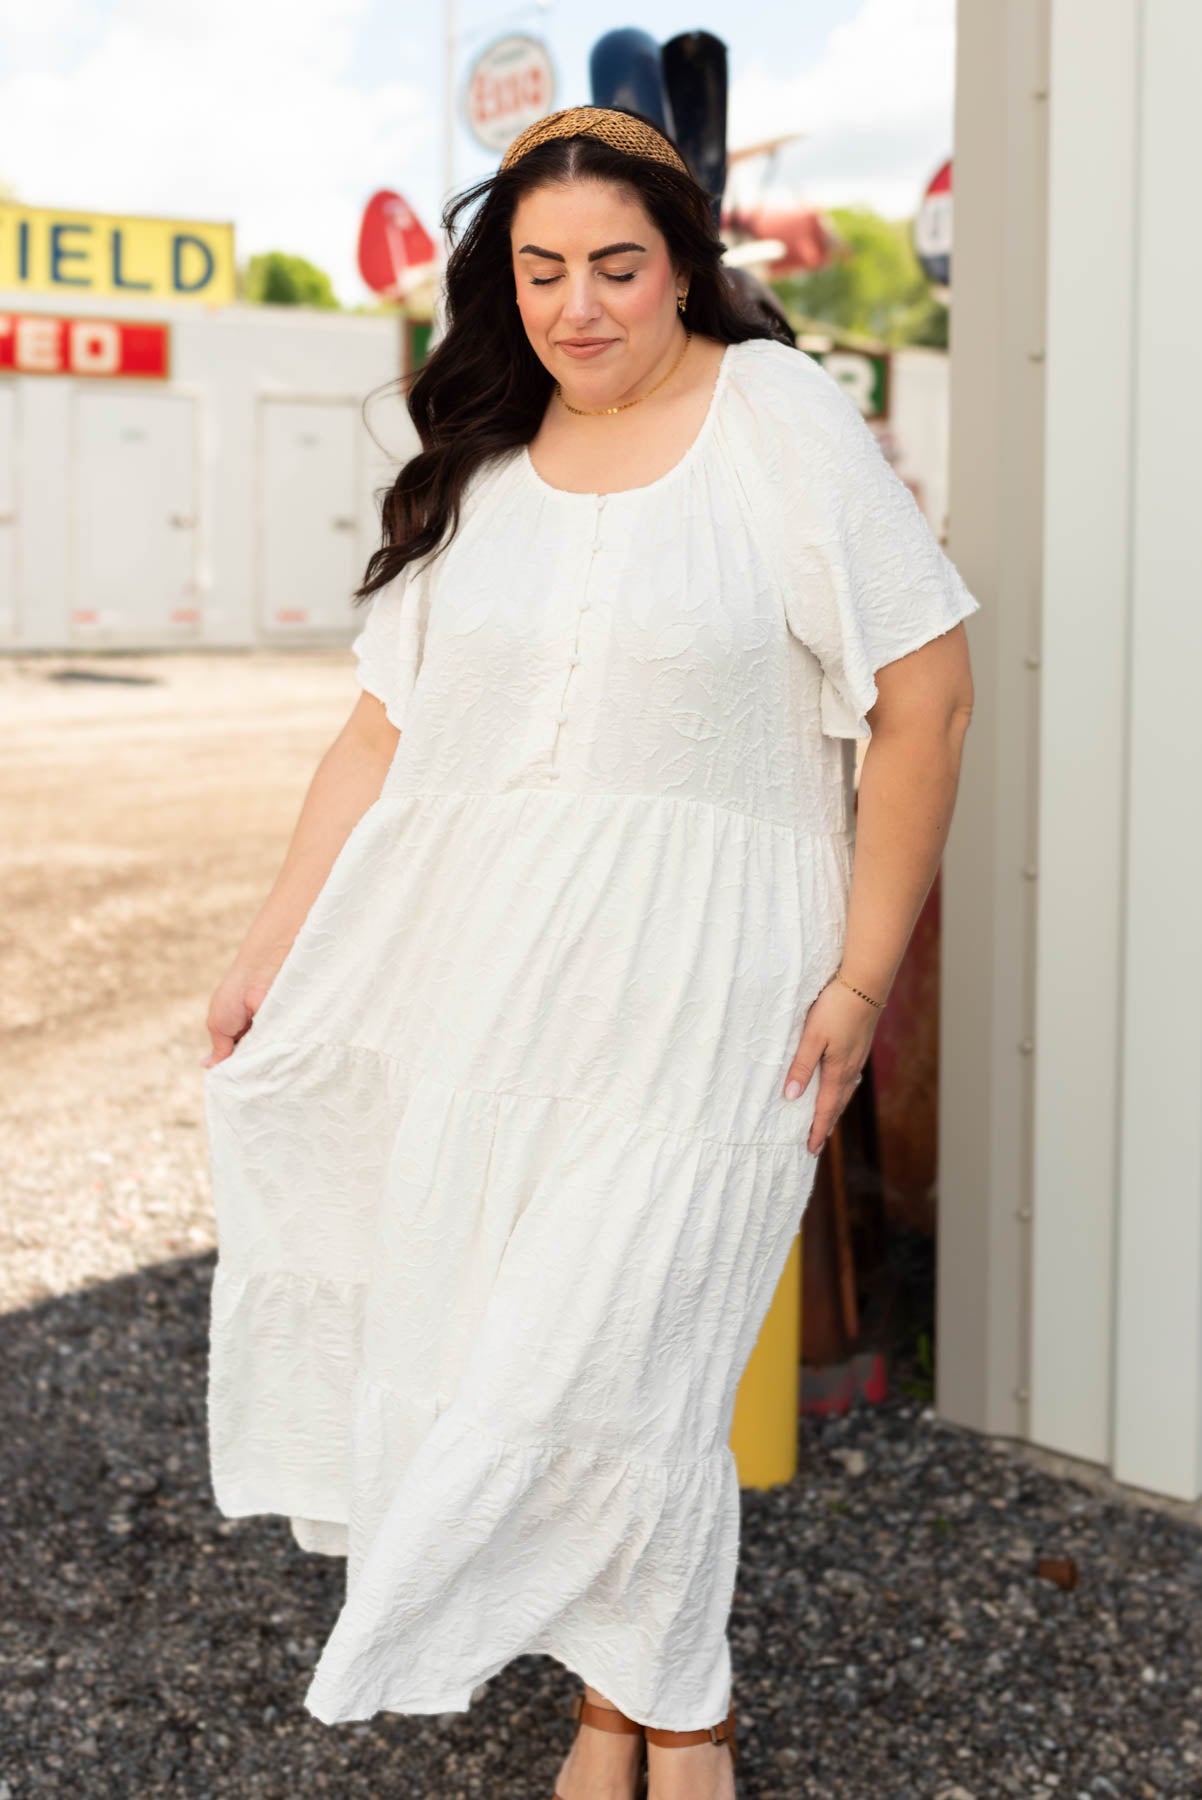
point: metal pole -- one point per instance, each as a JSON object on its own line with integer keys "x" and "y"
{"x": 448, "y": 123}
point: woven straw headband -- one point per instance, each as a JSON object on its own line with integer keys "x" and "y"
{"x": 615, "y": 128}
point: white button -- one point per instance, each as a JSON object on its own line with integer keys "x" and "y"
{"x": 554, "y": 774}
{"x": 572, "y": 661}
{"x": 584, "y": 605}
{"x": 561, "y": 718}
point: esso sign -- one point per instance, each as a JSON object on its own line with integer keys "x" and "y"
{"x": 39, "y": 344}
{"x": 509, "y": 86}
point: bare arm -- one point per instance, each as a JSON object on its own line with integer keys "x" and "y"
{"x": 345, "y": 783}
{"x": 907, "y": 792}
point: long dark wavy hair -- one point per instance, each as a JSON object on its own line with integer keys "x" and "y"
{"x": 483, "y": 391}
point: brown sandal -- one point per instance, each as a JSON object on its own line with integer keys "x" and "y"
{"x": 678, "y": 1740}
{"x": 606, "y": 1718}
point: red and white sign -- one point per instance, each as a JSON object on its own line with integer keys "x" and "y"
{"x": 395, "y": 249}
{"x": 38, "y": 344}
{"x": 933, "y": 227}
{"x": 510, "y": 85}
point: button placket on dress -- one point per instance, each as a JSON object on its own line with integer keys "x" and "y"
{"x": 575, "y": 659}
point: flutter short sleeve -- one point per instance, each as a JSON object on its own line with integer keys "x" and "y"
{"x": 388, "y": 648}
{"x": 865, "y": 579}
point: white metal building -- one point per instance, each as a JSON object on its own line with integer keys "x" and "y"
{"x": 227, "y": 497}
{"x": 224, "y": 498}
{"x": 1070, "y": 1227}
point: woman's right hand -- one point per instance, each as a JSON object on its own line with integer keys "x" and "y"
{"x": 236, "y": 1000}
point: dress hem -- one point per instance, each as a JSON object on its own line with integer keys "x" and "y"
{"x": 564, "y": 1655}
{"x": 456, "y": 1704}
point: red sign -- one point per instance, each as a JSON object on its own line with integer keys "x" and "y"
{"x": 394, "y": 246}
{"x": 38, "y": 344}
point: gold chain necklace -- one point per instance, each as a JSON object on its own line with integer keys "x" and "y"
{"x": 594, "y": 412}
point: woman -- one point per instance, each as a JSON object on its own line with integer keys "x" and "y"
{"x": 558, "y": 994}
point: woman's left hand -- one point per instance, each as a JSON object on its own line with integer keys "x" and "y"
{"x": 838, "y": 1034}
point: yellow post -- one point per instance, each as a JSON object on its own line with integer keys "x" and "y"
{"x": 763, "y": 1432}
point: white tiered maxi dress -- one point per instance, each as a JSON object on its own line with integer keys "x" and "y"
{"x": 503, "y": 1172}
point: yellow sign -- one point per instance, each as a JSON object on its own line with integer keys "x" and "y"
{"x": 46, "y": 251}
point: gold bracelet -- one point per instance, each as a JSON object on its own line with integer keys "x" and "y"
{"x": 855, "y": 990}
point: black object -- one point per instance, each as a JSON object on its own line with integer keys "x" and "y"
{"x": 695, "y": 80}
{"x": 682, "y": 87}
{"x": 759, "y": 302}
{"x": 625, "y": 69}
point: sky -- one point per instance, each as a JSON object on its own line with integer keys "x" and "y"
{"x": 286, "y": 115}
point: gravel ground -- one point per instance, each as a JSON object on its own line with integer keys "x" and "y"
{"x": 892, "y": 1637}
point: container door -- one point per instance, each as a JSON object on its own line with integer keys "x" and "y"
{"x": 8, "y": 512}
{"x": 310, "y": 551}
{"x": 135, "y": 517}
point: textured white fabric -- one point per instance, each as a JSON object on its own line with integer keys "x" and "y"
{"x": 503, "y": 1173}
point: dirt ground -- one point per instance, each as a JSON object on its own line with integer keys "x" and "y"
{"x": 145, "y": 805}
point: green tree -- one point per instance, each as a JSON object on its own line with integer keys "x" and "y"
{"x": 276, "y": 279}
{"x": 873, "y": 287}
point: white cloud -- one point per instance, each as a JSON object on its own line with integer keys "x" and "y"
{"x": 33, "y": 32}
{"x": 256, "y": 111}
{"x": 876, "y": 110}
{"x": 217, "y": 109}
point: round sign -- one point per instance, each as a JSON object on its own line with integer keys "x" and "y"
{"x": 509, "y": 85}
{"x": 933, "y": 227}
